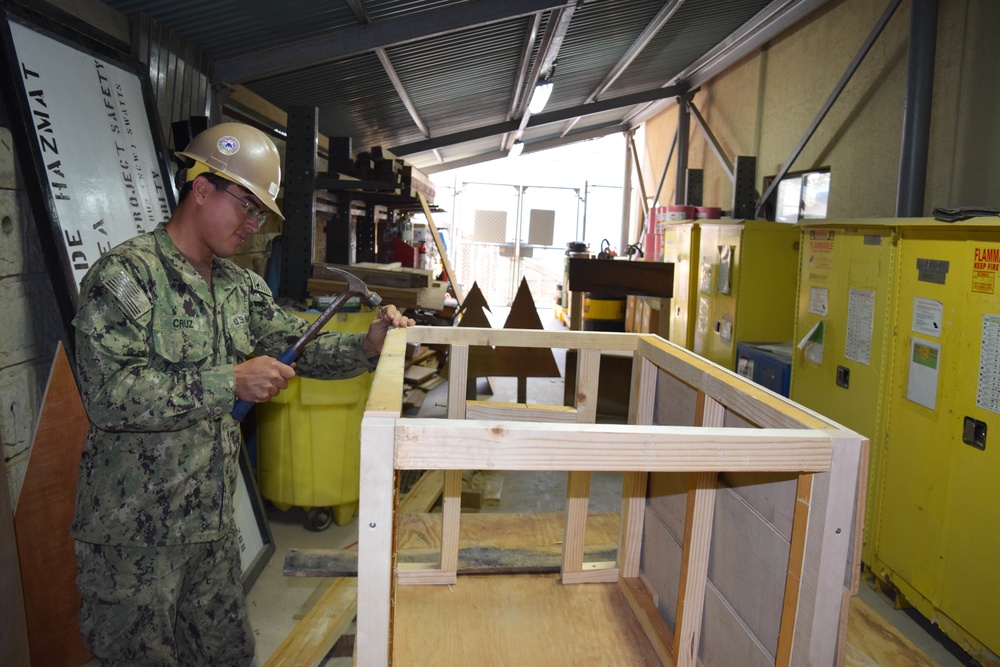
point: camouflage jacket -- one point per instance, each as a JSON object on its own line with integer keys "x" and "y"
{"x": 155, "y": 358}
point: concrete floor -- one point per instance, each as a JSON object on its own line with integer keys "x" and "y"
{"x": 277, "y": 602}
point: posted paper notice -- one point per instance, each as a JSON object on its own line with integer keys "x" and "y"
{"x": 925, "y": 363}
{"x": 860, "y": 316}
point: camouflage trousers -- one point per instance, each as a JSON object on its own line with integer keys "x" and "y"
{"x": 169, "y": 606}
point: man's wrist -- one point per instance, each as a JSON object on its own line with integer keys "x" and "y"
{"x": 368, "y": 348}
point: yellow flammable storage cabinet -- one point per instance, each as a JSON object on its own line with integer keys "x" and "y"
{"x": 680, "y": 245}
{"x": 898, "y": 333}
{"x": 840, "y": 361}
{"x": 746, "y": 286}
{"x": 940, "y": 511}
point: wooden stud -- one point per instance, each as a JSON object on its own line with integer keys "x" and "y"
{"x": 577, "y": 499}
{"x": 826, "y": 551}
{"x": 451, "y": 513}
{"x": 800, "y": 519}
{"x": 635, "y": 483}
{"x": 451, "y": 504}
{"x": 578, "y": 482}
{"x": 697, "y": 542}
{"x": 588, "y": 366}
{"x": 376, "y": 543}
{"x": 633, "y": 512}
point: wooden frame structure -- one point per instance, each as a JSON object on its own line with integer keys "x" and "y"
{"x": 824, "y": 462}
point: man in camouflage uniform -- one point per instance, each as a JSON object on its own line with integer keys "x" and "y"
{"x": 164, "y": 335}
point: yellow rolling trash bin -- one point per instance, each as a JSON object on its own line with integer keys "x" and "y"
{"x": 309, "y": 438}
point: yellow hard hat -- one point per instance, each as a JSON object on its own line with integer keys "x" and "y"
{"x": 239, "y": 153}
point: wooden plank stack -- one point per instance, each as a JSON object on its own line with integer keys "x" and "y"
{"x": 381, "y": 166}
{"x": 400, "y": 286}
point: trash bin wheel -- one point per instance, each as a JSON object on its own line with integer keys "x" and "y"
{"x": 320, "y": 518}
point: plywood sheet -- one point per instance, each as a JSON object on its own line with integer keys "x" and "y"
{"x": 44, "y": 513}
{"x": 517, "y": 620}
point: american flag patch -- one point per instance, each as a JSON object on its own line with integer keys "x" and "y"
{"x": 132, "y": 299}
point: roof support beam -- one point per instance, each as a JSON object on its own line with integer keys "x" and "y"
{"x": 540, "y": 119}
{"x": 660, "y": 20}
{"x": 713, "y": 143}
{"x": 378, "y": 34}
{"x": 383, "y": 58}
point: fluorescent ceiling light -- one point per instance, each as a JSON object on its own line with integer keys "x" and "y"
{"x": 515, "y": 149}
{"x": 540, "y": 97}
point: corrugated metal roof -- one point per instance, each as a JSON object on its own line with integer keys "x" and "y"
{"x": 458, "y": 62}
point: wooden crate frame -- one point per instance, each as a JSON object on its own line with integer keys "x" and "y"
{"x": 829, "y": 462}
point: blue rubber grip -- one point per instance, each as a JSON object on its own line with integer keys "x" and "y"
{"x": 242, "y": 407}
{"x": 288, "y": 356}
{"x": 240, "y": 411}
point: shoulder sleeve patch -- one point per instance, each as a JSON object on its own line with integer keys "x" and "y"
{"x": 130, "y": 297}
{"x": 257, "y": 283}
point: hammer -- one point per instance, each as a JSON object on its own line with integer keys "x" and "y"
{"x": 355, "y": 287}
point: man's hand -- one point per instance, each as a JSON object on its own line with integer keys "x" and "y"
{"x": 262, "y": 378}
{"x": 387, "y": 318}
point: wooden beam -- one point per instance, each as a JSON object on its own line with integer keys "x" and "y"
{"x": 313, "y": 637}
{"x": 579, "y": 340}
{"x": 456, "y": 288}
{"x": 648, "y": 615}
{"x": 472, "y": 560}
{"x": 431, "y": 444}
{"x": 593, "y": 573}
{"x": 424, "y": 494}
{"x": 385, "y": 397}
{"x": 741, "y": 396}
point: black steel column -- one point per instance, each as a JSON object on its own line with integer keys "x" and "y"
{"x": 299, "y": 205}
{"x": 917, "y": 109}
{"x": 683, "y": 139}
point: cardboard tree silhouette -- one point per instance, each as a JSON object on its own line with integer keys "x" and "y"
{"x": 483, "y": 360}
{"x": 521, "y": 363}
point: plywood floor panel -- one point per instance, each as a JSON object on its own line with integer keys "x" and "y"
{"x": 517, "y": 620}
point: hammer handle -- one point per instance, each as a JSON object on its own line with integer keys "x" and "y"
{"x": 243, "y": 407}
{"x": 295, "y": 351}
